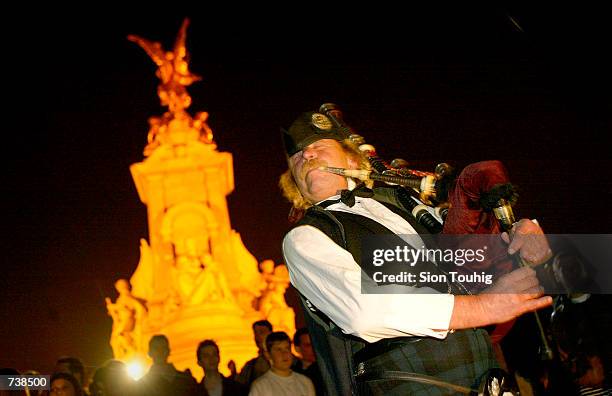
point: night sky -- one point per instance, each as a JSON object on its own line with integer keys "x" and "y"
{"x": 447, "y": 85}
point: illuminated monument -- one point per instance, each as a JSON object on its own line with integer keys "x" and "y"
{"x": 195, "y": 278}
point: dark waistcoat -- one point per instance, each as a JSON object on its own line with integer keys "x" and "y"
{"x": 338, "y": 353}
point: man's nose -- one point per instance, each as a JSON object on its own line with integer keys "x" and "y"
{"x": 309, "y": 153}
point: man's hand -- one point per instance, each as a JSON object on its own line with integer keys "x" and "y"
{"x": 231, "y": 365}
{"x": 527, "y": 238}
{"x": 511, "y": 296}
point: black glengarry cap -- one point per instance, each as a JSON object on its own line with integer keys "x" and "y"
{"x": 308, "y": 128}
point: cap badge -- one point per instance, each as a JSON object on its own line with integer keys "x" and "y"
{"x": 321, "y": 121}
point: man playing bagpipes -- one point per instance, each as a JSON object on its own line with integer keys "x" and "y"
{"x": 424, "y": 338}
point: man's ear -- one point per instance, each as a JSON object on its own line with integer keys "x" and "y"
{"x": 267, "y": 355}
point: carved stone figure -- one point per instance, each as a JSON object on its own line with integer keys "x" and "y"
{"x": 173, "y": 72}
{"x": 272, "y": 304}
{"x": 128, "y": 314}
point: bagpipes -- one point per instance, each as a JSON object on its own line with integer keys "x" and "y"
{"x": 477, "y": 200}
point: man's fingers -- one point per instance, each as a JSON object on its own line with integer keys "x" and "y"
{"x": 538, "y": 253}
{"x": 539, "y": 303}
{"x": 517, "y": 242}
{"x": 503, "y": 307}
{"x": 519, "y": 274}
{"x": 514, "y": 282}
{"x": 527, "y": 285}
{"x": 529, "y": 239}
{"x": 534, "y": 292}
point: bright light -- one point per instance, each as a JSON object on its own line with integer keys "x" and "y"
{"x": 135, "y": 370}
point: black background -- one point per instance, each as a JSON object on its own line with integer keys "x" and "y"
{"x": 454, "y": 84}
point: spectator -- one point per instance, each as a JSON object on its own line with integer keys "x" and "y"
{"x": 307, "y": 364}
{"x": 163, "y": 379}
{"x": 72, "y": 365}
{"x": 257, "y": 366}
{"x": 112, "y": 379}
{"x": 65, "y": 384}
{"x": 214, "y": 383}
{"x": 280, "y": 379}
{"x": 303, "y": 346}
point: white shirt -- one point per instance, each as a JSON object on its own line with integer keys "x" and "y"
{"x": 271, "y": 384}
{"x": 329, "y": 277}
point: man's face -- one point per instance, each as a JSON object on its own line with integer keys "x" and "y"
{"x": 65, "y": 368}
{"x": 280, "y": 355}
{"x": 159, "y": 350}
{"x": 209, "y": 358}
{"x": 260, "y": 333}
{"x": 305, "y": 348}
{"x": 62, "y": 387}
{"x": 314, "y": 184}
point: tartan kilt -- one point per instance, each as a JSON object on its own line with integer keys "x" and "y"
{"x": 462, "y": 358}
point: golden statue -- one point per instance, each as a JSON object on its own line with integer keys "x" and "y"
{"x": 195, "y": 276}
{"x": 127, "y": 313}
{"x": 173, "y": 71}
